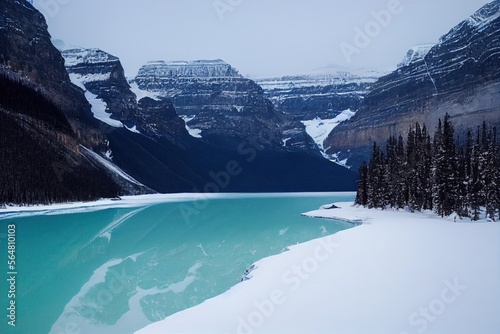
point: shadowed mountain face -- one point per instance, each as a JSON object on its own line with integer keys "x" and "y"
{"x": 460, "y": 75}
{"x": 213, "y": 98}
{"x": 44, "y": 119}
{"x": 27, "y": 54}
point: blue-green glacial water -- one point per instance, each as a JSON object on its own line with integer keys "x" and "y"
{"x": 116, "y": 270}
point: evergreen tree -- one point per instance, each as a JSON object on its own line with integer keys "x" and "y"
{"x": 445, "y": 169}
{"x": 491, "y": 177}
{"x": 391, "y": 175}
{"x": 475, "y": 185}
{"x": 375, "y": 178}
{"x": 439, "y": 172}
{"x": 411, "y": 171}
{"x": 452, "y": 170}
{"x": 461, "y": 205}
{"x": 362, "y": 194}
{"x": 401, "y": 192}
{"x": 434, "y": 174}
{"x": 426, "y": 183}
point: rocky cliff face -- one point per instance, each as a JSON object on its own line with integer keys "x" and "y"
{"x": 460, "y": 75}
{"x": 214, "y": 99}
{"x": 102, "y": 74}
{"x": 159, "y": 119}
{"x": 27, "y": 53}
{"x": 323, "y": 95}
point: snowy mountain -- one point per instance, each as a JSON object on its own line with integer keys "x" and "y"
{"x": 213, "y": 99}
{"x": 460, "y": 75}
{"x": 113, "y": 101}
{"x": 95, "y": 135}
{"x": 326, "y": 76}
{"x": 151, "y": 143}
{"x": 319, "y": 94}
{"x": 315, "y": 100}
{"x": 96, "y": 72}
{"x": 476, "y": 23}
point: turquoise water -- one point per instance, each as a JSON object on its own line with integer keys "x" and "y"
{"x": 118, "y": 269}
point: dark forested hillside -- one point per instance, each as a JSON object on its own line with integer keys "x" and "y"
{"x": 39, "y": 156}
{"x": 445, "y": 174}
{"x": 16, "y": 97}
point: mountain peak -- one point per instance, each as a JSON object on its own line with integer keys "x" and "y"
{"x": 478, "y": 21}
{"x": 416, "y": 53}
{"x": 192, "y": 69}
{"x": 74, "y": 57}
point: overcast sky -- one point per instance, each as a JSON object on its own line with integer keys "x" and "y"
{"x": 258, "y": 37}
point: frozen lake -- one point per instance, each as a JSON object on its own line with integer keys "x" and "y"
{"x": 118, "y": 269}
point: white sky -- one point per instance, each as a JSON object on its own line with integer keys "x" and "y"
{"x": 258, "y": 37}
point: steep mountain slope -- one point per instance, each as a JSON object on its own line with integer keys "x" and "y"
{"x": 41, "y": 160}
{"x": 460, "y": 75}
{"x": 27, "y": 53}
{"x": 212, "y": 97}
{"x": 105, "y": 82}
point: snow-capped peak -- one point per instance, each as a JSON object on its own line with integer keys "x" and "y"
{"x": 74, "y": 57}
{"x": 324, "y": 76}
{"x": 416, "y": 53}
{"x": 478, "y": 21}
{"x": 190, "y": 69}
{"x": 485, "y": 15}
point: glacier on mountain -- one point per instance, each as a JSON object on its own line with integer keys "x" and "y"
{"x": 319, "y": 129}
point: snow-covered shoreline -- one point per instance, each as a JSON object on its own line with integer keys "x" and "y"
{"x": 398, "y": 272}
